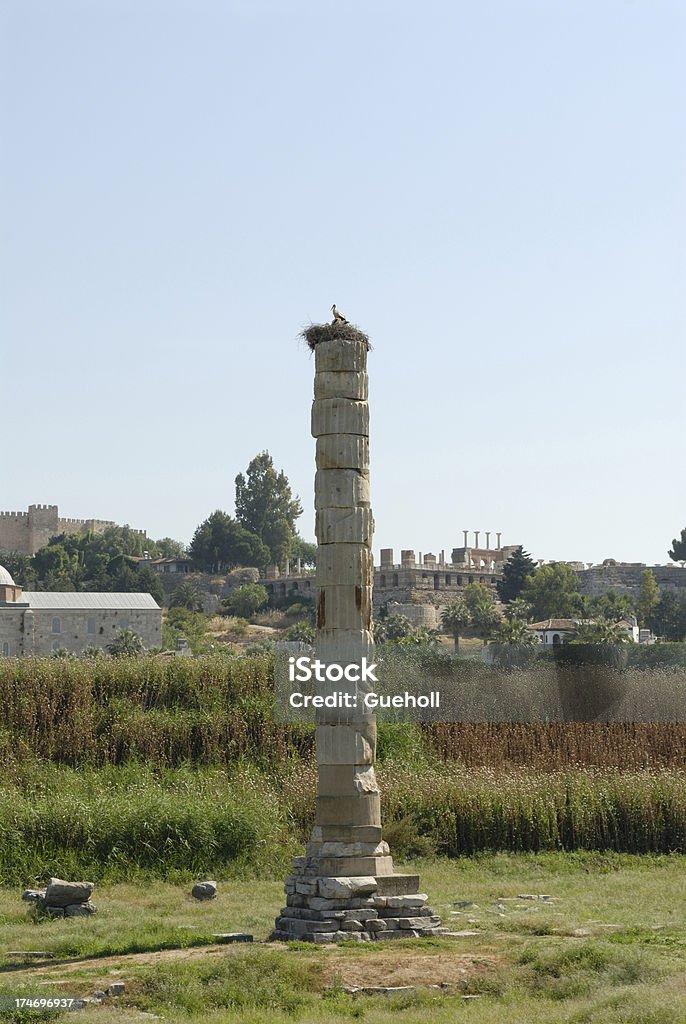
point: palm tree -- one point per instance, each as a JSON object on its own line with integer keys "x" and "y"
{"x": 126, "y": 644}
{"x": 515, "y": 645}
{"x": 187, "y": 595}
{"x": 455, "y": 617}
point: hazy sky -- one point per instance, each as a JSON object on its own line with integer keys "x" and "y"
{"x": 495, "y": 191}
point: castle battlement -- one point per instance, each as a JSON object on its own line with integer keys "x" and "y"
{"x": 27, "y": 532}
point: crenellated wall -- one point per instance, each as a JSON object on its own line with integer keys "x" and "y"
{"x": 27, "y": 532}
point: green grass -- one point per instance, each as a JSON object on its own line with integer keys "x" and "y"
{"x": 610, "y": 948}
{"x": 146, "y": 821}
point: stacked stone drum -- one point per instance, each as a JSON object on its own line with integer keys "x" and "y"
{"x": 345, "y": 886}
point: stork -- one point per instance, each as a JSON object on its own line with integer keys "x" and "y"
{"x": 337, "y": 316}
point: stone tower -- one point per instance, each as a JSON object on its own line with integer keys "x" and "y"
{"x": 345, "y": 886}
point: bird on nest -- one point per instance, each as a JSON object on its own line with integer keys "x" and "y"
{"x": 338, "y": 317}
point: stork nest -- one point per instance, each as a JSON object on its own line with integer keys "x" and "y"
{"x": 316, "y": 333}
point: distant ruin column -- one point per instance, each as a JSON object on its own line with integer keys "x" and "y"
{"x": 488, "y": 539}
{"x": 498, "y": 535}
{"x": 476, "y": 538}
{"x": 466, "y": 543}
{"x": 342, "y": 887}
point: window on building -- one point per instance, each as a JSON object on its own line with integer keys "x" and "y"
{"x": 448, "y": 579}
{"x": 56, "y": 645}
{"x": 382, "y": 580}
{"x": 5, "y": 649}
{"x": 459, "y": 581}
{"x": 92, "y": 627}
{"x": 437, "y": 581}
{"x": 56, "y": 625}
{"x": 395, "y": 579}
{"x": 124, "y": 623}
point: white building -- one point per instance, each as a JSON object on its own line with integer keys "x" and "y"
{"x": 39, "y": 623}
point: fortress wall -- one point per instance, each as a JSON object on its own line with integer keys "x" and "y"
{"x": 626, "y": 579}
{"x": 14, "y": 531}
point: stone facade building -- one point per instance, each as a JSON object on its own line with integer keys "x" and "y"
{"x": 39, "y": 623}
{"x": 27, "y": 532}
{"x": 418, "y": 586}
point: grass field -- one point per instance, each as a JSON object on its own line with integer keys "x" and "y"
{"x": 608, "y": 948}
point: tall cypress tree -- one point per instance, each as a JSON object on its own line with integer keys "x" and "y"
{"x": 519, "y": 566}
{"x": 266, "y": 506}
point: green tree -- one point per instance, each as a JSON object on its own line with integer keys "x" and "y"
{"x": 455, "y": 617}
{"x": 301, "y": 631}
{"x": 516, "y": 570}
{"x": 669, "y": 617}
{"x": 600, "y": 631}
{"x": 553, "y": 592}
{"x": 266, "y": 506}
{"x": 167, "y": 547}
{"x": 485, "y": 617}
{"x": 391, "y": 628}
{"x": 612, "y": 606}
{"x": 187, "y": 595}
{"x": 306, "y": 552}
{"x": 518, "y": 610}
{"x": 649, "y": 599}
{"x": 126, "y": 644}
{"x": 515, "y": 645}
{"x": 246, "y": 600}
{"x": 678, "y": 552}
{"x": 221, "y": 543}
{"x": 148, "y": 582}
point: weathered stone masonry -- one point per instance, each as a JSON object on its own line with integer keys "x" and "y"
{"x": 345, "y": 886}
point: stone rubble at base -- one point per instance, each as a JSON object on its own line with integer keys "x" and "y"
{"x": 358, "y": 909}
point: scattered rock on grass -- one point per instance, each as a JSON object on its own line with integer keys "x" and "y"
{"x": 204, "y": 890}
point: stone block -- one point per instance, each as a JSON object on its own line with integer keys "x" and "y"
{"x": 342, "y": 384}
{"x": 80, "y": 909}
{"x": 341, "y": 488}
{"x": 351, "y": 925}
{"x": 344, "y": 526}
{"x": 339, "y": 416}
{"x": 364, "y": 809}
{"x": 344, "y": 646}
{"x": 325, "y": 904}
{"x": 345, "y": 745}
{"x": 59, "y": 893}
{"x": 348, "y": 834}
{"x": 418, "y": 922}
{"x": 356, "y": 865}
{"x": 397, "y": 885}
{"x": 349, "y": 607}
{"x": 407, "y": 902}
{"x": 343, "y": 451}
{"x": 340, "y": 356}
{"x": 344, "y": 887}
{"x": 348, "y": 849}
{"x": 344, "y": 564}
{"x": 306, "y": 888}
{"x": 346, "y": 780}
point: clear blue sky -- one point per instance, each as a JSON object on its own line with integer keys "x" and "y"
{"x": 496, "y": 192}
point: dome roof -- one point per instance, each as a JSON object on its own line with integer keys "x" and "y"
{"x": 5, "y": 578}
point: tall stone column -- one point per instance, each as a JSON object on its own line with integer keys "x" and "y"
{"x": 345, "y": 886}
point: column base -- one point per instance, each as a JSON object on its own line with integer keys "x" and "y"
{"x": 361, "y": 908}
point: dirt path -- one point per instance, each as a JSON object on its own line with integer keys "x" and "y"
{"x": 387, "y": 967}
